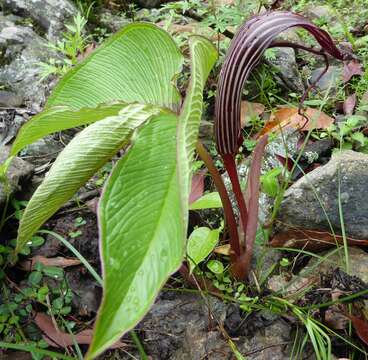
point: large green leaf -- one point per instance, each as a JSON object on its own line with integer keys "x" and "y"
{"x": 208, "y": 201}
{"x": 137, "y": 64}
{"x": 81, "y": 158}
{"x": 143, "y": 227}
{"x": 200, "y": 244}
{"x": 60, "y": 118}
{"x": 141, "y": 230}
{"x": 203, "y": 57}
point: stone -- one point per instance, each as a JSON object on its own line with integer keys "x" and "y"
{"x": 317, "y": 12}
{"x": 179, "y": 327}
{"x": 44, "y": 149}
{"x": 358, "y": 262}
{"x": 87, "y": 292}
{"x": 50, "y": 15}
{"x": 287, "y": 72}
{"x": 18, "y": 172}
{"x": 112, "y": 22}
{"x": 151, "y": 3}
{"x": 9, "y": 99}
{"x": 257, "y": 346}
{"x": 10, "y": 122}
{"x": 21, "y": 52}
{"x": 330, "y": 80}
{"x": 184, "y": 326}
{"x": 301, "y": 208}
{"x": 334, "y": 259}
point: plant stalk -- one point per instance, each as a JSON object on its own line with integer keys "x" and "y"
{"x": 230, "y": 166}
{"x": 226, "y": 203}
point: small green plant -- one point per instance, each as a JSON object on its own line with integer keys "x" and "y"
{"x": 348, "y": 134}
{"x": 67, "y": 50}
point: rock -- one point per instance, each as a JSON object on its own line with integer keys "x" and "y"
{"x": 278, "y": 333}
{"x": 44, "y": 149}
{"x": 330, "y": 270}
{"x": 287, "y": 70}
{"x": 112, "y": 22}
{"x": 179, "y": 327}
{"x": 9, "y": 99}
{"x": 21, "y": 52}
{"x": 151, "y": 3}
{"x": 18, "y": 172}
{"x": 301, "y": 209}
{"x": 330, "y": 80}
{"x": 185, "y": 326}
{"x": 86, "y": 292}
{"x": 317, "y": 12}
{"x": 10, "y": 122}
{"x": 358, "y": 262}
{"x": 50, "y": 15}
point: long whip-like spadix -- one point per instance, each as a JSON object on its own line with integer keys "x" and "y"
{"x": 245, "y": 52}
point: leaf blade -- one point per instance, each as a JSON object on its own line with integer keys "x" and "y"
{"x": 60, "y": 118}
{"x": 137, "y": 229}
{"x": 201, "y": 242}
{"x": 203, "y": 58}
{"x": 80, "y": 159}
{"x": 137, "y": 64}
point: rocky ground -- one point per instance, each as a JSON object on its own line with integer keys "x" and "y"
{"x": 326, "y": 203}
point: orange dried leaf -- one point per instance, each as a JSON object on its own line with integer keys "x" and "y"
{"x": 361, "y": 327}
{"x": 28, "y": 265}
{"x": 287, "y": 117}
{"x": 223, "y": 250}
{"x": 54, "y": 337}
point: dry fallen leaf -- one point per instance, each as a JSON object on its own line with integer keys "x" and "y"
{"x": 286, "y": 117}
{"x": 223, "y": 250}
{"x": 350, "y": 69}
{"x": 349, "y": 104}
{"x": 249, "y": 109}
{"x": 29, "y": 265}
{"x": 311, "y": 239}
{"x": 57, "y": 338}
{"x": 361, "y": 327}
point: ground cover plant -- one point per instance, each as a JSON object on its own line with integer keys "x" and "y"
{"x": 125, "y": 99}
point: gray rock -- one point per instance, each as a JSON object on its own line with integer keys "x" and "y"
{"x": 51, "y": 15}
{"x": 185, "y": 326}
{"x": 317, "y": 12}
{"x": 18, "y": 172}
{"x": 87, "y": 293}
{"x": 112, "y": 22}
{"x": 287, "y": 70}
{"x": 10, "y": 123}
{"x": 277, "y": 333}
{"x": 9, "y": 99}
{"x": 46, "y": 148}
{"x": 151, "y": 3}
{"x": 358, "y": 262}
{"x": 301, "y": 208}
{"x": 21, "y": 52}
{"x": 179, "y": 327}
{"x": 330, "y": 80}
